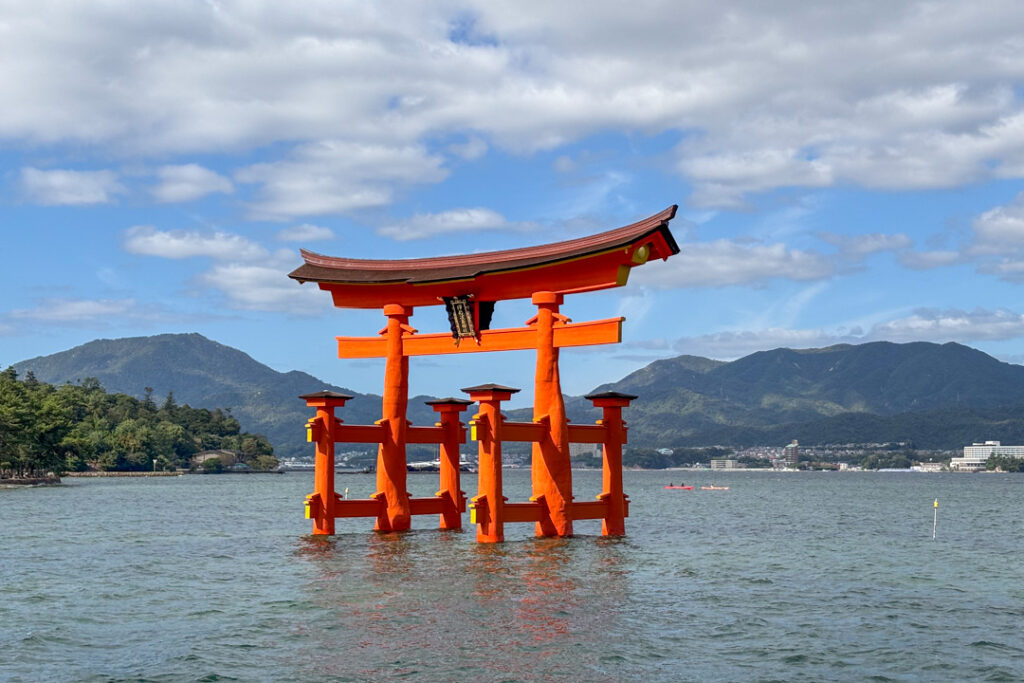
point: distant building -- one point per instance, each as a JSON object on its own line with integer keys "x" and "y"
{"x": 791, "y": 453}
{"x": 977, "y": 454}
{"x": 584, "y": 450}
{"x": 724, "y": 464}
{"x": 227, "y": 457}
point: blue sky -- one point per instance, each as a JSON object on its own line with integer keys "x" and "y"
{"x": 846, "y": 172}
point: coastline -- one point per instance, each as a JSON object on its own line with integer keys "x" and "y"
{"x": 121, "y": 474}
{"x": 21, "y": 482}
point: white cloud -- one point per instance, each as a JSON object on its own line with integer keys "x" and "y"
{"x": 76, "y": 311}
{"x": 917, "y": 95}
{"x": 265, "y": 288}
{"x": 74, "y": 188}
{"x": 454, "y": 220}
{"x": 997, "y": 246}
{"x": 723, "y": 178}
{"x": 857, "y": 247}
{"x": 924, "y": 324}
{"x": 305, "y": 233}
{"x": 952, "y": 325}
{"x": 187, "y": 182}
{"x": 1009, "y": 268}
{"x": 723, "y": 262}
{"x": 729, "y": 345}
{"x": 564, "y": 164}
{"x": 926, "y": 260}
{"x": 337, "y": 177}
{"x": 471, "y": 149}
{"x": 178, "y": 244}
{"x": 1000, "y": 228}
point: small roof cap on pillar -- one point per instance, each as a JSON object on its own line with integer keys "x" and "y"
{"x": 490, "y": 387}
{"x": 610, "y": 394}
{"x": 325, "y": 394}
{"x": 610, "y": 399}
{"x": 325, "y": 399}
{"x": 449, "y": 401}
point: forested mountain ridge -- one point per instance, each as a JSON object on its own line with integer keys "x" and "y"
{"x": 74, "y": 426}
{"x": 206, "y": 374}
{"x": 935, "y": 395}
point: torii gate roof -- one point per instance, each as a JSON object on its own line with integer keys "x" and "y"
{"x": 585, "y": 264}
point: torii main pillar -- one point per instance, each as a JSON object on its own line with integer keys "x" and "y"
{"x": 551, "y": 471}
{"x": 391, "y": 467}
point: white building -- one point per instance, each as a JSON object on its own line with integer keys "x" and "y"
{"x": 975, "y": 455}
{"x": 791, "y": 453}
{"x": 724, "y": 464}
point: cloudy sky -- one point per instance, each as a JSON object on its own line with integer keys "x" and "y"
{"x": 846, "y": 172}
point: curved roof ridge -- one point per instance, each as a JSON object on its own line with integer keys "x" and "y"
{"x": 554, "y": 250}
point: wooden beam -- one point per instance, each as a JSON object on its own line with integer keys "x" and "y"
{"x": 344, "y": 433}
{"x": 596, "y": 509}
{"x": 524, "y": 431}
{"x": 512, "y": 339}
{"x": 428, "y": 506}
{"x": 363, "y": 507}
{"x": 523, "y": 512}
{"x": 424, "y": 434}
{"x": 587, "y": 433}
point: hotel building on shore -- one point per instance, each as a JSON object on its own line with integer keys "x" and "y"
{"x": 975, "y": 455}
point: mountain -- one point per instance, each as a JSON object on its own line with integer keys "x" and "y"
{"x": 205, "y": 374}
{"x": 936, "y": 395}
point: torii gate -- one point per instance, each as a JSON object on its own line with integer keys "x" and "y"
{"x": 469, "y": 286}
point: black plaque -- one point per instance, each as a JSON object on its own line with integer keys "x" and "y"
{"x": 460, "y": 316}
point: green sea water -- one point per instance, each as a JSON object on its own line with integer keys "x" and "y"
{"x": 784, "y": 577}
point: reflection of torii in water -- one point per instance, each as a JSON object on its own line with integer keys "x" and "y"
{"x": 469, "y": 285}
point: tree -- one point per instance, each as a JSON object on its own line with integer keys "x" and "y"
{"x": 212, "y": 466}
{"x": 46, "y": 428}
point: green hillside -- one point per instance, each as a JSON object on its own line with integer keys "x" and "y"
{"x": 205, "y": 374}
{"x": 937, "y": 396}
{"x": 934, "y": 395}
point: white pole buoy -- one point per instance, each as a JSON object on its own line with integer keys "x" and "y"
{"x": 935, "y": 519}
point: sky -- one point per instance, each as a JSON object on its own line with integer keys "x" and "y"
{"x": 845, "y": 172}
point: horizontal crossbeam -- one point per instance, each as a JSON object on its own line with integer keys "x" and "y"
{"x": 344, "y": 433}
{"x": 523, "y": 512}
{"x": 597, "y": 509}
{"x": 512, "y": 339}
{"x": 587, "y": 433}
{"x": 524, "y": 431}
{"x": 372, "y": 507}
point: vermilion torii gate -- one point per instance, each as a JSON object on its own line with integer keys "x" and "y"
{"x": 469, "y": 286}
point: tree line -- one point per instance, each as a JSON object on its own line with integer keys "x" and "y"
{"x": 75, "y": 427}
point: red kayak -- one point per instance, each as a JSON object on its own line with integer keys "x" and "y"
{"x": 681, "y": 488}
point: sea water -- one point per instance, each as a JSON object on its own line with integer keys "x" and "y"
{"x": 784, "y": 577}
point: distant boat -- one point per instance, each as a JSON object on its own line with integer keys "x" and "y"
{"x": 714, "y": 488}
{"x": 680, "y": 488}
{"x": 296, "y": 466}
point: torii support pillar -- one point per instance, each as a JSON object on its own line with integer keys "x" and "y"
{"x": 391, "y": 466}
{"x": 488, "y": 506}
{"x": 321, "y": 504}
{"x": 450, "y": 489}
{"x": 612, "y": 403}
{"x": 551, "y": 470}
